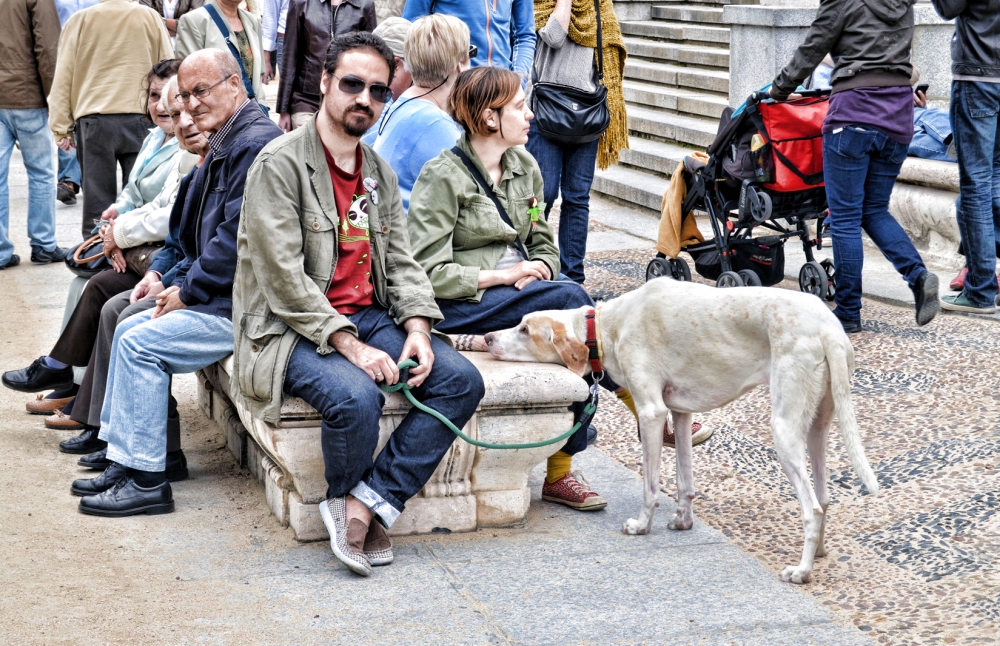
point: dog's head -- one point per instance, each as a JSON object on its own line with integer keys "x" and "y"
{"x": 546, "y": 337}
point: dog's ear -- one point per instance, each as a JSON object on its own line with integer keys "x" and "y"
{"x": 572, "y": 352}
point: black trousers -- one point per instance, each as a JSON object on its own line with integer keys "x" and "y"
{"x": 77, "y": 338}
{"x": 103, "y": 142}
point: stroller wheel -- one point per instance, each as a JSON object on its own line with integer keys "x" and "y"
{"x": 679, "y": 269}
{"x": 657, "y": 268}
{"x": 729, "y": 279}
{"x": 831, "y": 273}
{"x": 813, "y": 280}
{"x": 750, "y": 278}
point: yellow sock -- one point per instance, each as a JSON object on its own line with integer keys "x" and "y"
{"x": 625, "y": 397}
{"x": 558, "y": 465}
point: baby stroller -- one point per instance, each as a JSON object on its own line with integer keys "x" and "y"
{"x": 764, "y": 171}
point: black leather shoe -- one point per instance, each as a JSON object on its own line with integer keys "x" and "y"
{"x": 177, "y": 466}
{"x": 126, "y": 498}
{"x": 98, "y": 460}
{"x": 85, "y": 442}
{"x": 14, "y": 261}
{"x": 38, "y": 377}
{"x": 103, "y": 482}
{"x": 40, "y": 256}
{"x": 850, "y": 326}
{"x": 925, "y": 297}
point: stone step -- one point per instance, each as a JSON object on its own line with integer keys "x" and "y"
{"x": 716, "y": 57}
{"x": 676, "y": 75}
{"x": 675, "y": 31}
{"x": 672, "y": 127}
{"x": 627, "y": 184}
{"x": 653, "y": 156}
{"x": 687, "y": 13}
{"x": 674, "y": 98}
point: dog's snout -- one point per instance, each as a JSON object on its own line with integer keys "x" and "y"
{"x": 489, "y": 337}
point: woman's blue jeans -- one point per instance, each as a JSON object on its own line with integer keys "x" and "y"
{"x": 860, "y": 166}
{"x": 567, "y": 169}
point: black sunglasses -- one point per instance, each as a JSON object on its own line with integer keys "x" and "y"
{"x": 353, "y": 85}
{"x": 473, "y": 52}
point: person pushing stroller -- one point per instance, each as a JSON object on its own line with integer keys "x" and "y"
{"x": 866, "y": 133}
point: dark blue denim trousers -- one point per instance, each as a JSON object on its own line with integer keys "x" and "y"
{"x": 975, "y": 121}
{"x": 860, "y": 166}
{"x": 567, "y": 169}
{"x": 504, "y": 306}
{"x": 351, "y": 405}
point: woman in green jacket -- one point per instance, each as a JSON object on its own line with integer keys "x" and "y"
{"x": 486, "y": 274}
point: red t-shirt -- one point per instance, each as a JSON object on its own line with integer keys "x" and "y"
{"x": 351, "y": 288}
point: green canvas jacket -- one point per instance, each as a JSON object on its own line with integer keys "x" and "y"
{"x": 456, "y": 230}
{"x": 287, "y": 253}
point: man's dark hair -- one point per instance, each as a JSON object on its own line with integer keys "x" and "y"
{"x": 359, "y": 40}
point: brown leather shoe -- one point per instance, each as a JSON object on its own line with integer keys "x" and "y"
{"x": 42, "y": 406}
{"x": 699, "y": 434}
{"x": 60, "y": 421}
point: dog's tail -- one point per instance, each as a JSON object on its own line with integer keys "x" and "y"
{"x": 840, "y": 360}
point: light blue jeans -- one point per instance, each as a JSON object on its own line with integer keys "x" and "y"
{"x": 30, "y": 129}
{"x": 69, "y": 167}
{"x": 144, "y": 353}
{"x": 931, "y": 134}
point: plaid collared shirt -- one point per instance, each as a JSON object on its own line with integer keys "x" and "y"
{"x": 215, "y": 141}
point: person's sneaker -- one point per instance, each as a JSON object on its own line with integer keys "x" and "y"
{"x": 850, "y": 327}
{"x": 66, "y": 192}
{"x": 334, "y": 514}
{"x": 13, "y": 261}
{"x": 38, "y": 377}
{"x": 925, "y": 298}
{"x": 699, "y": 434}
{"x": 574, "y": 491}
{"x": 959, "y": 303}
{"x": 378, "y": 547}
{"x": 40, "y": 256}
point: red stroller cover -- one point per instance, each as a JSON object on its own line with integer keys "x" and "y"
{"x": 794, "y": 129}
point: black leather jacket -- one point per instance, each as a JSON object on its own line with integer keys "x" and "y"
{"x": 869, "y": 41}
{"x": 975, "y": 47}
{"x": 307, "y": 36}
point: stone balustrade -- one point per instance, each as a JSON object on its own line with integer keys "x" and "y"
{"x": 471, "y": 488}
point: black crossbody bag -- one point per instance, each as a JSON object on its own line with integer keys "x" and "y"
{"x": 476, "y": 175}
{"x": 569, "y": 115}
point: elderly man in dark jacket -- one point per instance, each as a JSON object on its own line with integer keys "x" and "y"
{"x": 975, "y": 122}
{"x": 29, "y": 37}
{"x": 191, "y": 325}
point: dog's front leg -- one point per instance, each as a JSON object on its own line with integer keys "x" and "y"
{"x": 684, "y": 518}
{"x": 652, "y": 417}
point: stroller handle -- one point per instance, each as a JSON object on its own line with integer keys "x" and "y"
{"x": 757, "y": 97}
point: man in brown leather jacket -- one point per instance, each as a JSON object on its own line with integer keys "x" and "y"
{"x": 308, "y": 28}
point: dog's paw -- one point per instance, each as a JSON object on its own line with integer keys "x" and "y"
{"x": 633, "y": 528}
{"x": 796, "y": 574}
{"x": 678, "y": 521}
{"x": 820, "y": 551}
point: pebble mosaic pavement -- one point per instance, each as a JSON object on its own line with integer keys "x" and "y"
{"x": 920, "y": 563}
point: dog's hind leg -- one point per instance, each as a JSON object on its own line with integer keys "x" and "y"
{"x": 684, "y": 518}
{"x": 652, "y": 417}
{"x": 794, "y": 400}
{"x": 816, "y": 442}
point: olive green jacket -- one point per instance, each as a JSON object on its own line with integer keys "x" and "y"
{"x": 287, "y": 253}
{"x": 456, "y": 230}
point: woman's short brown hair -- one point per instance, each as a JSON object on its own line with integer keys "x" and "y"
{"x": 477, "y": 90}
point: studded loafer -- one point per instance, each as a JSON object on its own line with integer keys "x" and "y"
{"x": 60, "y": 421}
{"x": 42, "y": 406}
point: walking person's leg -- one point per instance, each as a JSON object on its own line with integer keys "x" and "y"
{"x": 574, "y": 210}
{"x": 7, "y": 257}
{"x": 37, "y": 152}
{"x": 96, "y": 141}
{"x": 132, "y": 131}
{"x": 68, "y": 179}
{"x": 975, "y": 137}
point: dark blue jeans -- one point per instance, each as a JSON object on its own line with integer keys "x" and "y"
{"x": 567, "y": 169}
{"x": 975, "y": 121}
{"x": 351, "y": 405}
{"x": 860, "y": 166}
{"x": 503, "y": 307}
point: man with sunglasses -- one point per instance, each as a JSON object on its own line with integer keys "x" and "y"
{"x": 328, "y": 299}
{"x": 191, "y": 325}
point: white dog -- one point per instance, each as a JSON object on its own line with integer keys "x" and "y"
{"x": 688, "y": 348}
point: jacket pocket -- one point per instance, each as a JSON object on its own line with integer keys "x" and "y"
{"x": 257, "y": 354}
{"x": 479, "y": 223}
{"x": 318, "y": 241}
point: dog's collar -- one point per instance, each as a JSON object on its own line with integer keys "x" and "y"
{"x": 593, "y": 341}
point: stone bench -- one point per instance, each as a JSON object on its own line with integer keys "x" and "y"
{"x": 472, "y": 487}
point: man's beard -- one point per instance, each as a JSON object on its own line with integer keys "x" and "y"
{"x": 355, "y": 125}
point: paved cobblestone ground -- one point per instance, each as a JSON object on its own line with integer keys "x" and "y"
{"x": 921, "y": 562}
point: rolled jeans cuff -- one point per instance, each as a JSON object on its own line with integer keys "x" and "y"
{"x": 380, "y": 507}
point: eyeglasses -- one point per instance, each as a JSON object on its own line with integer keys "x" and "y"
{"x": 473, "y": 52}
{"x": 199, "y": 92}
{"x": 353, "y": 85}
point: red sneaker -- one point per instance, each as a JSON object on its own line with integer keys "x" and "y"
{"x": 958, "y": 282}
{"x": 573, "y": 490}
{"x": 699, "y": 434}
